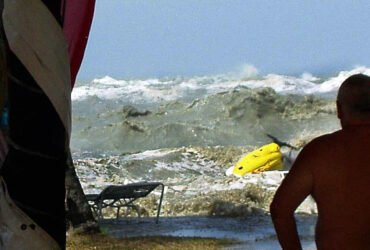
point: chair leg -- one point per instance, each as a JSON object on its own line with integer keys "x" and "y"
{"x": 138, "y": 211}
{"x": 100, "y": 213}
{"x": 160, "y": 204}
{"x": 95, "y": 211}
{"x": 117, "y": 215}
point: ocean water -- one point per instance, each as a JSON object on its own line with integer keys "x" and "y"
{"x": 186, "y": 131}
{"x": 187, "y": 126}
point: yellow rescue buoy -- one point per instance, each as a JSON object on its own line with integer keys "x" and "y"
{"x": 267, "y": 157}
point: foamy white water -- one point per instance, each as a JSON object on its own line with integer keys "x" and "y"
{"x": 185, "y": 88}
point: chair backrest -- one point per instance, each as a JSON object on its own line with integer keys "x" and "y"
{"x": 133, "y": 190}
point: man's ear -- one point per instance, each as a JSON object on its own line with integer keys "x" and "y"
{"x": 339, "y": 111}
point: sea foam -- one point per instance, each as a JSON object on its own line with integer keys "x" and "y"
{"x": 155, "y": 90}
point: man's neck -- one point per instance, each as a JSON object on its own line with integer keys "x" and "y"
{"x": 354, "y": 123}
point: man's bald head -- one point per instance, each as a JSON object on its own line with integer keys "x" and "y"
{"x": 354, "y": 99}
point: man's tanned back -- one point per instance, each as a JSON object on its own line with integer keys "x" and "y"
{"x": 335, "y": 170}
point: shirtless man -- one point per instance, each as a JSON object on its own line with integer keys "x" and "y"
{"x": 335, "y": 170}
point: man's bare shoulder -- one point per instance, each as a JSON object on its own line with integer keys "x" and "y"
{"x": 323, "y": 142}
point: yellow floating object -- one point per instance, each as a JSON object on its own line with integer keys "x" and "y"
{"x": 267, "y": 157}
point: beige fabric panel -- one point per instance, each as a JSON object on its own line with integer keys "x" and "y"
{"x": 38, "y": 41}
{"x": 17, "y": 229}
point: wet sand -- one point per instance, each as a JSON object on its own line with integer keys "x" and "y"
{"x": 255, "y": 232}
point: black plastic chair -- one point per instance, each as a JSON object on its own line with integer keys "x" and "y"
{"x": 118, "y": 196}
